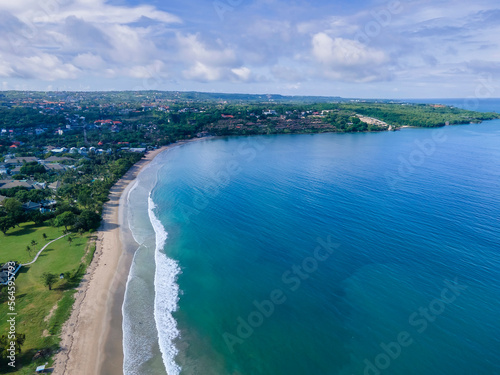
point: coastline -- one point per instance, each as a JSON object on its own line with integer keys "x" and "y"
{"x": 92, "y": 338}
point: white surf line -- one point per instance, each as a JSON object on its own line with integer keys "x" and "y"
{"x": 42, "y": 249}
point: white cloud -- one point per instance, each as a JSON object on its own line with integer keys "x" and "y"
{"x": 65, "y": 39}
{"x": 46, "y": 67}
{"x": 98, "y": 11}
{"x": 193, "y": 48}
{"x": 89, "y": 61}
{"x": 210, "y": 63}
{"x": 243, "y": 73}
{"x": 346, "y": 59}
{"x": 269, "y": 42}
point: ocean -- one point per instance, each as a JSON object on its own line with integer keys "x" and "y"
{"x": 334, "y": 254}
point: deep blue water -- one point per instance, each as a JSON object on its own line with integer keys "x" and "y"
{"x": 335, "y": 253}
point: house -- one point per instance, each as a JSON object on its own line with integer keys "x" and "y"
{"x": 39, "y": 185}
{"x": 271, "y": 112}
{"x": 48, "y": 205}
{"x": 59, "y": 150}
{"x": 20, "y": 160}
{"x": 31, "y": 206}
{"x": 9, "y": 184}
{"x": 54, "y": 167}
{"x": 55, "y": 185}
{"x": 3, "y": 169}
{"x": 57, "y": 159}
{"x": 16, "y": 170}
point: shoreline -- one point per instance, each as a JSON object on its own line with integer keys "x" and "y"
{"x": 92, "y": 338}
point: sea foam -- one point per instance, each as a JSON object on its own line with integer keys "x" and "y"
{"x": 166, "y": 295}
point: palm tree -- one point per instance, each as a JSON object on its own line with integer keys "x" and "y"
{"x": 70, "y": 239}
{"x": 28, "y": 249}
{"x": 44, "y": 236}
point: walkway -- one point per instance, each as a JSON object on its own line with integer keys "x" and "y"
{"x": 42, "y": 249}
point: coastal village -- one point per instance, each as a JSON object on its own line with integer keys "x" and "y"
{"x": 62, "y": 153}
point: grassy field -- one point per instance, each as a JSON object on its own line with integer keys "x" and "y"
{"x": 41, "y": 312}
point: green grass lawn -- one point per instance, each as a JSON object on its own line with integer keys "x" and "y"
{"x": 34, "y": 301}
{"x": 13, "y": 245}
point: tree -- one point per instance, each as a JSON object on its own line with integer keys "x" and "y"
{"x": 5, "y": 344}
{"x": 28, "y": 249}
{"x": 88, "y": 220}
{"x": 32, "y": 167}
{"x": 49, "y": 279}
{"x": 34, "y": 243}
{"x": 6, "y": 222}
{"x": 37, "y": 217}
{"x": 44, "y": 235}
{"x": 13, "y": 208}
{"x": 70, "y": 239}
{"x": 12, "y": 205}
{"x": 66, "y": 219}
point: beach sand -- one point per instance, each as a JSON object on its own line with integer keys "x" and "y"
{"x": 91, "y": 340}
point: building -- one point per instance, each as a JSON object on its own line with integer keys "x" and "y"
{"x": 57, "y": 159}
{"x": 15, "y": 170}
{"x": 55, "y": 185}
{"x": 4, "y": 169}
{"x": 55, "y": 167}
{"x": 17, "y": 162}
{"x": 9, "y": 184}
{"x": 31, "y": 206}
{"x": 59, "y": 150}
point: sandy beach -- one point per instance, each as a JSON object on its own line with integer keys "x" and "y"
{"x": 91, "y": 340}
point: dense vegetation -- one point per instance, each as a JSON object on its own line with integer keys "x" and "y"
{"x": 421, "y": 115}
{"x": 93, "y": 133}
{"x": 83, "y": 194}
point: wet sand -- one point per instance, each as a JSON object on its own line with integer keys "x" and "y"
{"x": 92, "y": 338}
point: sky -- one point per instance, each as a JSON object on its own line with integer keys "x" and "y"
{"x": 349, "y": 48}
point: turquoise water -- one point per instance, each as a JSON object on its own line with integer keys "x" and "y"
{"x": 320, "y": 254}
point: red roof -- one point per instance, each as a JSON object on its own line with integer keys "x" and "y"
{"x": 13, "y": 146}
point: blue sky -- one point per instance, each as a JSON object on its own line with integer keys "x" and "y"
{"x": 357, "y": 48}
